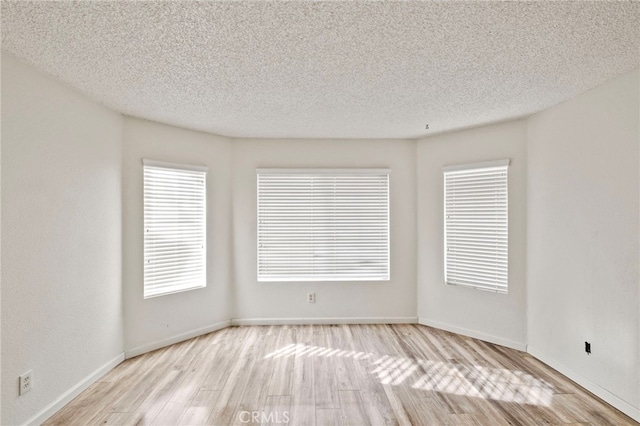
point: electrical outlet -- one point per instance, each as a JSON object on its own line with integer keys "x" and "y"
{"x": 311, "y": 298}
{"x": 25, "y": 382}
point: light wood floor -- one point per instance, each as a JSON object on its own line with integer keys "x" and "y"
{"x": 336, "y": 375}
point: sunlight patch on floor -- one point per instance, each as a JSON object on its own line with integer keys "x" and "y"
{"x": 453, "y": 378}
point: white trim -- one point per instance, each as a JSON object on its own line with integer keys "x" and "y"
{"x": 482, "y": 165}
{"x": 323, "y": 171}
{"x": 599, "y": 391}
{"x": 520, "y": 346}
{"x": 175, "y": 339}
{"x": 325, "y": 321}
{"x": 78, "y": 388}
{"x": 65, "y": 398}
{"x": 154, "y": 163}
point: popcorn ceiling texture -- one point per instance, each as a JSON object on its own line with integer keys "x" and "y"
{"x": 326, "y": 69}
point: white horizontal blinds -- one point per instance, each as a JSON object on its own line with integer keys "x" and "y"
{"x": 323, "y": 226}
{"x": 174, "y": 228}
{"x": 476, "y": 225}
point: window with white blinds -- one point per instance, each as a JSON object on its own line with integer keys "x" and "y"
{"x": 175, "y": 228}
{"x": 476, "y": 225}
{"x": 323, "y": 225}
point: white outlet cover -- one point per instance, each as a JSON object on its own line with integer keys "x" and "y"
{"x": 25, "y": 382}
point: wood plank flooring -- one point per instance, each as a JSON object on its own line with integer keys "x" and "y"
{"x": 335, "y": 375}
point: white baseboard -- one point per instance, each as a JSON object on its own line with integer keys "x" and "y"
{"x": 600, "y": 392}
{"x": 66, "y": 397}
{"x": 175, "y": 339}
{"x": 158, "y": 344}
{"x": 326, "y": 321}
{"x": 475, "y": 334}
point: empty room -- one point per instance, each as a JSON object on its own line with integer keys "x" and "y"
{"x": 320, "y": 213}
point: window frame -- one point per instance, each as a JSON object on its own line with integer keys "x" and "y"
{"x": 151, "y": 290}
{"x": 500, "y": 265}
{"x": 263, "y": 277}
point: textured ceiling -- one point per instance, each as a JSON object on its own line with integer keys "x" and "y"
{"x": 326, "y": 69}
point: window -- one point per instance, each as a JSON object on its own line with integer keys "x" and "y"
{"x": 175, "y": 243}
{"x": 476, "y": 225}
{"x": 323, "y": 225}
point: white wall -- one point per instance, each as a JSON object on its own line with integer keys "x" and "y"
{"x": 71, "y": 176}
{"x": 0, "y": 256}
{"x": 499, "y": 318}
{"x": 583, "y": 251}
{"x": 150, "y": 323}
{"x": 394, "y": 298}
{"x": 61, "y": 238}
